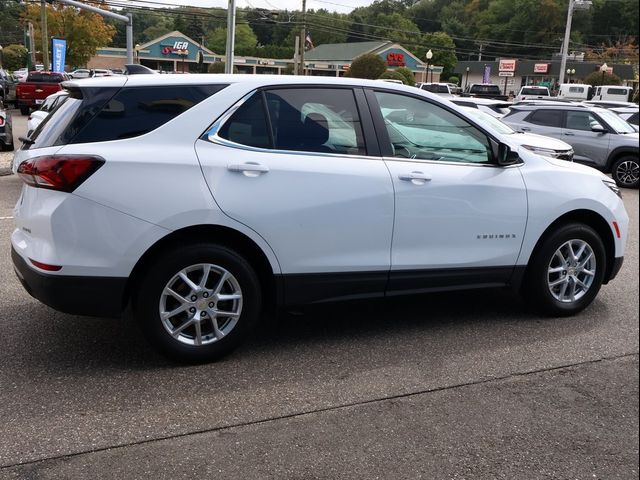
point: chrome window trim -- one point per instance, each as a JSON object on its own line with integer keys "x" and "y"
{"x": 212, "y": 136}
{"x": 438, "y": 162}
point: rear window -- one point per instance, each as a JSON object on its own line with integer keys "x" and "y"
{"x": 436, "y": 88}
{"x": 103, "y": 114}
{"x": 535, "y": 91}
{"x": 617, "y": 91}
{"x": 39, "y": 77}
{"x": 576, "y": 89}
{"x": 485, "y": 89}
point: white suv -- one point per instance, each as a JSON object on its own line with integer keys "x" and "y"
{"x": 200, "y": 200}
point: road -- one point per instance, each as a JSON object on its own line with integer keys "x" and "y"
{"x": 460, "y": 385}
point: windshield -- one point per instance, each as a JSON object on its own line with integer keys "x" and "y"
{"x": 484, "y": 118}
{"x": 615, "y": 122}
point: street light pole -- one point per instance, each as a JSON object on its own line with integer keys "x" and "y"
{"x": 231, "y": 36}
{"x": 466, "y": 82}
{"x": 429, "y": 56}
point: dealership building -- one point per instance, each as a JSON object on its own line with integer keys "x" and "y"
{"x": 176, "y": 52}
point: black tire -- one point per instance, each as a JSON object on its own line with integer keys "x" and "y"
{"x": 24, "y": 110}
{"x": 149, "y": 294}
{"x": 625, "y": 171}
{"x": 536, "y": 288}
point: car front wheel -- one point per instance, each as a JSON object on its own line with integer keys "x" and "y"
{"x": 198, "y": 302}
{"x": 566, "y": 272}
{"x": 625, "y": 171}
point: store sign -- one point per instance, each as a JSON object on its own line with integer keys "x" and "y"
{"x": 179, "y": 48}
{"x": 395, "y": 60}
{"x": 505, "y": 74}
{"x": 507, "y": 66}
{"x": 541, "y": 68}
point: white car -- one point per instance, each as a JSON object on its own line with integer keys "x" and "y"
{"x": 495, "y": 108}
{"x": 50, "y": 103}
{"x": 540, "y": 144}
{"x": 532, "y": 92}
{"x": 200, "y": 200}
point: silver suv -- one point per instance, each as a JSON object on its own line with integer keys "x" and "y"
{"x": 599, "y": 137}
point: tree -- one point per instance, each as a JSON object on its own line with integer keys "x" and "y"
{"x": 393, "y": 75}
{"x": 367, "y": 66}
{"x": 409, "y": 79}
{"x": 443, "y": 49}
{"x": 84, "y": 31}
{"x": 599, "y": 78}
{"x": 14, "y": 57}
{"x": 454, "y": 79}
{"x": 245, "y": 42}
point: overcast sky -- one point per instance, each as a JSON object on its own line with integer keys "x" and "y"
{"x": 343, "y": 6}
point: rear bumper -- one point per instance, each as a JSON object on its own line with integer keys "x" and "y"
{"x": 93, "y": 296}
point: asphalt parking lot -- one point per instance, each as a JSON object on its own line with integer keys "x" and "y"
{"x": 459, "y": 385}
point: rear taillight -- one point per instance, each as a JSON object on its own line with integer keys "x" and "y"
{"x": 1, "y": 121}
{"x": 59, "y": 172}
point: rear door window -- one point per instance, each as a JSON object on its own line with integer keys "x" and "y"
{"x": 547, "y": 118}
{"x": 322, "y": 120}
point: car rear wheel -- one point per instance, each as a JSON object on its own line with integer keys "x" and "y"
{"x": 197, "y": 303}
{"x": 566, "y": 272}
{"x": 625, "y": 171}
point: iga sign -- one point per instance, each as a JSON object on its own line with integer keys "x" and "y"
{"x": 507, "y": 66}
{"x": 541, "y": 68}
{"x": 395, "y": 60}
{"x": 179, "y": 48}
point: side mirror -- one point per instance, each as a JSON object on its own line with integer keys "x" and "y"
{"x": 506, "y": 156}
{"x": 599, "y": 129}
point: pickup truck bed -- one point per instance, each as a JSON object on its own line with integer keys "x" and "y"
{"x": 37, "y": 87}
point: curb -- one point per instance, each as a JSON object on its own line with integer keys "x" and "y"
{"x": 5, "y": 171}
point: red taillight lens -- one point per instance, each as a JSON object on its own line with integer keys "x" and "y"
{"x": 1, "y": 121}
{"x": 46, "y": 266}
{"x": 59, "y": 172}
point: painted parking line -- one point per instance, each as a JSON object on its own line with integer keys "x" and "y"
{"x": 6, "y": 218}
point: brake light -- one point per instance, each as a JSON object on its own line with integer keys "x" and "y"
{"x": 46, "y": 266}
{"x": 1, "y": 121}
{"x": 59, "y": 172}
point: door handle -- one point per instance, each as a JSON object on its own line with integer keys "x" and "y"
{"x": 569, "y": 134}
{"x": 525, "y": 129}
{"x": 417, "y": 178}
{"x": 249, "y": 169}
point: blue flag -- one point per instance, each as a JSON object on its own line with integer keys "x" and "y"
{"x": 59, "y": 54}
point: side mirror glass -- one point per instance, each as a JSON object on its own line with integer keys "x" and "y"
{"x": 506, "y": 156}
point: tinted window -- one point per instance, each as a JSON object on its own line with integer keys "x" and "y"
{"x": 315, "y": 120}
{"x": 548, "y": 118}
{"x": 535, "y": 91}
{"x": 617, "y": 91}
{"x": 576, "y": 89}
{"x": 421, "y": 130}
{"x": 490, "y": 89}
{"x": 46, "y": 77}
{"x": 138, "y": 110}
{"x": 581, "y": 121}
{"x": 248, "y": 125}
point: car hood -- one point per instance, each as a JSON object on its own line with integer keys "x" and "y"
{"x": 540, "y": 141}
{"x": 576, "y": 167}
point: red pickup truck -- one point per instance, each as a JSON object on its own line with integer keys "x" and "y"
{"x": 37, "y": 87}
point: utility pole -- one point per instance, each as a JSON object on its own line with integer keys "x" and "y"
{"x": 32, "y": 48}
{"x": 565, "y": 43}
{"x": 573, "y": 5}
{"x": 45, "y": 35}
{"x": 296, "y": 56}
{"x": 480, "y": 53}
{"x": 303, "y": 35}
{"x": 128, "y": 20}
{"x": 231, "y": 36}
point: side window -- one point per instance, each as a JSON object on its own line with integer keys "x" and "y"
{"x": 248, "y": 125}
{"x": 547, "y": 118}
{"x": 581, "y": 121}
{"x": 421, "y": 130}
{"x": 315, "y": 120}
{"x": 135, "y": 111}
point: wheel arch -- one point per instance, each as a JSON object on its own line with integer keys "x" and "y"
{"x": 219, "y": 235}
{"x": 618, "y": 153}
{"x": 591, "y": 219}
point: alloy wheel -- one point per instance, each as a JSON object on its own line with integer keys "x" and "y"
{"x": 571, "y": 271}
